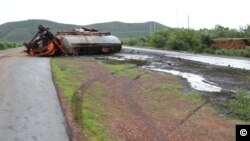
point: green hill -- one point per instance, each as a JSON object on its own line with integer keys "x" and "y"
{"x": 128, "y": 30}
{"x": 25, "y": 30}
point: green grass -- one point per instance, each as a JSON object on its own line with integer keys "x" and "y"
{"x": 239, "y": 106}
{"x": 68, "y": 77}
{"x": 174, "y": 90}
{"x": 94, "y": 114}
{"x": 7, "y": 45}
{"x": 128, "y": 70}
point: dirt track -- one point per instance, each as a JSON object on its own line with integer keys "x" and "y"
{"x": 139, "y": 108}
{"x": 29, "y": 107}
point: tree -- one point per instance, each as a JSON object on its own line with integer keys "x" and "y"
{"x": 185, "y": 40}
{"x": 160, "y": 38}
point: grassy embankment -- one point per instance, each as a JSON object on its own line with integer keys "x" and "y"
{"x": 71, "y": 76}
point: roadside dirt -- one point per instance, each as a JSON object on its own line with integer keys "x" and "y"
{"x": 228, "y": 43}
{"x": 141, "y": 109}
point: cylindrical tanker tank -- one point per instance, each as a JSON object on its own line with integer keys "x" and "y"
{"x": 78, "y": 41}
{"x": 79, "y": 44}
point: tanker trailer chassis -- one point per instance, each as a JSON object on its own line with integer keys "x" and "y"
{"x": 75, "y": 42}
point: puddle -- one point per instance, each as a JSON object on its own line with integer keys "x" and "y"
{"x": 124, "y": 56}
{"x": 196, "y": 81}
{"x": 213, "y": 60}
{"x": 219, "y": 61}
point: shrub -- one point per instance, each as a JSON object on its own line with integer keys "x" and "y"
{"x": 240, "y": 105}
{"x": 5, "y": 45}
{"x": 185, "y": 40}
{"x": 209, "y": 50}
{"x": 160, "y": 38}
{"x": 199, "y": 49}
{"x": 246, "y": 52}
{"x": 179, "y": 45}
{"x": 131, "y": 42}
{"x": 206, "y": 40}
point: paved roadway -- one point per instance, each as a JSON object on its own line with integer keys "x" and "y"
{"x": 29, "y": 106}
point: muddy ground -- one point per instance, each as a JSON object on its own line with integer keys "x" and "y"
{"x": 155, "y": 104}
{"x": 148, "y": 106}
{"x": 219, "y": 81}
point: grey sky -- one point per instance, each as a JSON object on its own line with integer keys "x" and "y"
{"x": 202, "y": 13}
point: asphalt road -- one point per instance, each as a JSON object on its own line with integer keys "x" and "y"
{"x": 29, "y": 106}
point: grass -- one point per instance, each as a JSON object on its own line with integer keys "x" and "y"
{"x": 127, "y": 70}
{"x": 69, "y": 76}
{"x": 239, "y": 106}
{"x": 165, "y": 97}
{"x": 174, "y": 90}
{"x": 93, "y": 115}
{"x": 161, "y": 99}
{"x": 232, "y": 52}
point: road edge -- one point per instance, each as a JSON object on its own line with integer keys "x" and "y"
{"x": 73, "y": 130}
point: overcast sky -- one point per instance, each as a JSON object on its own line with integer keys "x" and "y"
{"x": 173, "y": 13}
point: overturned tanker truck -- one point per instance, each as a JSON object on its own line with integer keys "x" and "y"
{"x": 75, "y": 42}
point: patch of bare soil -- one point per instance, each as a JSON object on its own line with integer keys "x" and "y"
{"x": 228, "y": 43}
{"x": 140, "y": 111}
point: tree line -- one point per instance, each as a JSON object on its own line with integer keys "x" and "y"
{"x": 6, "y": 45}
{"x": 198, "y": 41}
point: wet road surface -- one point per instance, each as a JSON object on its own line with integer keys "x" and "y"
{"x": 208, "y": 74}
{"x": 29, "y": 106}
{"x": 216, "y": 81}
{"x": 240, "y": 63}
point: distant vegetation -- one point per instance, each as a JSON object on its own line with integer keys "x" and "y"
{"x": 129, "y": 30}
{"x": 25, "y": 30}
{"x": 198, "y": 41}
{"x": 6, "y": 45}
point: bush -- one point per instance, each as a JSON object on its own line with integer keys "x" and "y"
{"x": 160, "y": 38}
{"x": 190, "y": 40}
{"x": 179, "y": 45}
{"x": 209, "y": 50}
{"x": 246, "y": 52}
{"x": 5, "y": 45}
{"x": 2, "y": 46}
{"x": 206, "y": 40}
{"x": 199, "y": 49}
{"x": 131, "y": 42}
{"x": 185, "y": 40}
{"x": 240, "y": 105}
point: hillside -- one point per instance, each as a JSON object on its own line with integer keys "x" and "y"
{"x": 25, "y": 30}
{"x": 128, "y": 30}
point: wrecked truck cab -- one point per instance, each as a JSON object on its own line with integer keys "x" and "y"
{"x": 75, "y": 42}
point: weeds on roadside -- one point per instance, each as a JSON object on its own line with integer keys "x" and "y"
{"x": 239, "y": 106}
